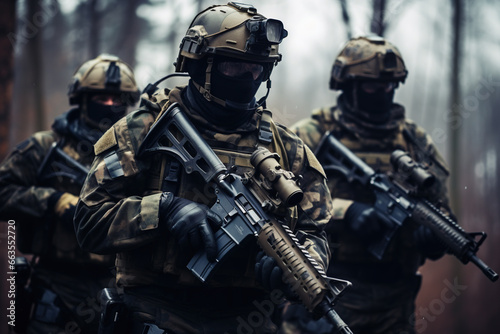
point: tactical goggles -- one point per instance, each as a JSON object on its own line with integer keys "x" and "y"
{"x": 372, "y": 87}
{"x": 236, "y": 69}
{"x": 108, "y": 99}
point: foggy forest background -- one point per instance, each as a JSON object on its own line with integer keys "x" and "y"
{"x": 451, "y": 49}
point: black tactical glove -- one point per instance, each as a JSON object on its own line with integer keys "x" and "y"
{"x": 192, "y": 224}
{"x": 428, "y": 244}
{"x": 267, "y": 272}
{"x": 363, "y": 219}
{"x": 270, "y": 275}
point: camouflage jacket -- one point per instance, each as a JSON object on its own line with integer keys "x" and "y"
{"x": 26, "y": 186}
{"x": 401, "y": 255}
{"x": 119, "y": 212}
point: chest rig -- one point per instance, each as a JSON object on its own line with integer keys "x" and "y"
{"x": 234, "y": 151}
{"x": 376, "y": 152}
{"x": 167, "y": 174}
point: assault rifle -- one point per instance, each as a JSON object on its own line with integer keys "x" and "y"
{"x": 58, "y": 164}
{"x": 248, "y": 205}
{"x": 398, "y": 199}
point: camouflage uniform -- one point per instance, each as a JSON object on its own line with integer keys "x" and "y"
{"x": 118, "y": 212}
{"x": 39, "y": 186}
{"x": 62, "y": 271}
{"x": 367, "y": 70}
{"x": 382, "y": 297}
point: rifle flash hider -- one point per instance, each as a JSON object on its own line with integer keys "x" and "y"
{"x": 276, "y": 178}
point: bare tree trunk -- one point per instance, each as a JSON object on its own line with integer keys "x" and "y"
{"x": 34, "y": 51}
{"x": 346, "y": 18}
{"x": 7, "y": 28}
{"x": 454, "y": 132}
{"x": 377, "y": 25}
{"x": 126, "y": 43}
{"x": 94, "y": 29}
{"x": 200, "y": 6}
{"x": 457, "y": 7}
{"x": 57, "y": 55}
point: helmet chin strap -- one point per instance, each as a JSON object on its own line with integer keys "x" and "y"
{"x": 205, "y": 91}
{"x": 262, "y": 100}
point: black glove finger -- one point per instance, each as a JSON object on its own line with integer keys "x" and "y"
{"x": 178, "y": 227}
{"x": 268, "y": 264}
{"x": 208, "y": 240}
{"x": 259, "y": 256}
{"x": 276, "y": 278}
{"x": 258, "y": 271}
{"x": 214, "y": 219}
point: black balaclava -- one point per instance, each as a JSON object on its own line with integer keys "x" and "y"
{"x": 103, "y": 116}
{"x": 373, "y": 107}
{"x": 237, "y": 92}
{"x": 214, "y": 113}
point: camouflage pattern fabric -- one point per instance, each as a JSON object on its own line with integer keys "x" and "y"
{"x": 382, "y": 297}
{"x": 120, "y": 213}
{"x": 75, "y": 276}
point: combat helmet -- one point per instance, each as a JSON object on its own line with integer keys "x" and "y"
{"x": 367, "y": 58}
{"x": 104, "y": 74}
{"x": 234, "y": 30}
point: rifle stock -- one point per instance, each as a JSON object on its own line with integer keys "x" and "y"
{"x": 395, "y": 204}
{"x": 58, "y": 164}
{"x": 247, "y": 213}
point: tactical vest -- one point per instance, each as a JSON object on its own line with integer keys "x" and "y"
{"x": 167, "y": 175}
{"x": 51, "y": 239}
{"x": 346, "y": 247}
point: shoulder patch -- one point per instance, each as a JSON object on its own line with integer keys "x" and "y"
{"x": 313, "y": 161}
{"x": 107, "y": 141}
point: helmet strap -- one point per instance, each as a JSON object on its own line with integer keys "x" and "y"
{"x": 262, "y": 100}
{"x": 208, "y": 77}
{"x": 205, "y": 91}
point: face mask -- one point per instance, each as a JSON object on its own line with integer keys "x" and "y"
{"x": 104, "y": 115}
{"x": 240, "y": 85}
{"x": 375, "y": 98}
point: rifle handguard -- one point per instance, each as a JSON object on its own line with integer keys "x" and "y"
{"x": 242, "y": 205}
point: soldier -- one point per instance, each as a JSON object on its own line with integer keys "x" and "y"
{"x": 367, "y": 71}
{"x": 39, "y": 186}
{"x": 156, "y": 219}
